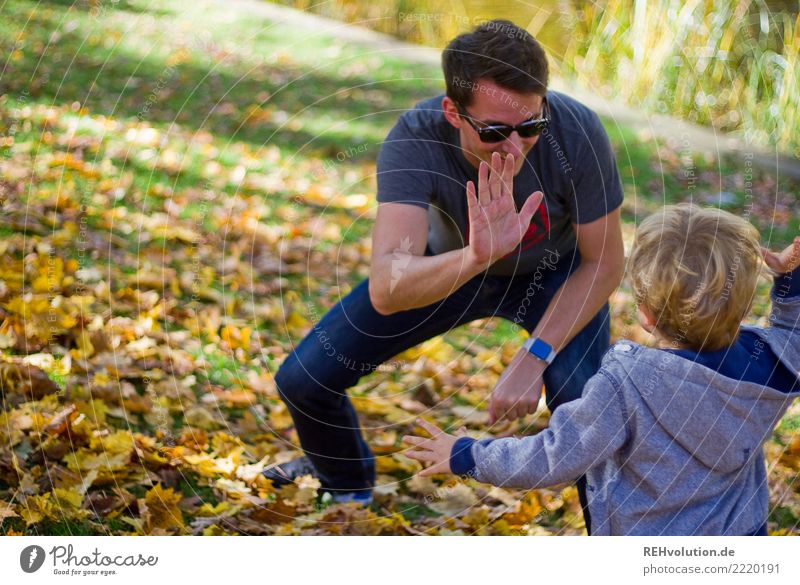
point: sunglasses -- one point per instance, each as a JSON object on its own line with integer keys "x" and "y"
{"x": 499, "y": 132}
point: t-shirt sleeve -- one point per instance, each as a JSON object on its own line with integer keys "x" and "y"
{"x": 595, "y": 177}
{"x": 403, "y": 169}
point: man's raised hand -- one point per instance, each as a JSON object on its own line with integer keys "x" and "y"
{"x": 495, "y": 227}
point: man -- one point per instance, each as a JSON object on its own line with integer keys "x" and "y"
{"x": 498, "y": 199}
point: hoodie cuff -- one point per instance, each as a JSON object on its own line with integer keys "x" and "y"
{"x": 787, "y": 285}
{"x": 461, "y": 460}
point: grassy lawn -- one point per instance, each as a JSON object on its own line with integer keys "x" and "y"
{"x": 186, "y": 189}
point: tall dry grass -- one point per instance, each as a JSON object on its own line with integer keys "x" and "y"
{"x": 730, "y": 64}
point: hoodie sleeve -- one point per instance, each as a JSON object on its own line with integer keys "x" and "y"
{"x": 783, "y": 334}
{"x": 581, "y": 434}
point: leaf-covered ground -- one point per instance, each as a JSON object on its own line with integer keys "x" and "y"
{"x": 185, "y": 189}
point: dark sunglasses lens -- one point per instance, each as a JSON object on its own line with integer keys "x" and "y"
{"x": 534, "y": 128}
{"x": 493, "y": 134}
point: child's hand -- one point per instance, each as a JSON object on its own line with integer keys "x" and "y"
{"x": 785, "y": 261}
{"x": 435, "y": 450}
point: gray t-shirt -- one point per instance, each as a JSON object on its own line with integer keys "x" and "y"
{"x": 421, "y": 163}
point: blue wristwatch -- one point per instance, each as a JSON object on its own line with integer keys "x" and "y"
{"x": 540, "y": 349}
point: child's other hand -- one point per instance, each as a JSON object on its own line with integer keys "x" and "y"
{"x": 434, "y": 451}
{"x": 784, "y": 261}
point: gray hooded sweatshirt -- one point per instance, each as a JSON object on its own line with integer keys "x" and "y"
{"x": 668, "y": 446}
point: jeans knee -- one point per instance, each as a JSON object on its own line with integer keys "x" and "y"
{"x": 290, "y": 379}
{"x": 300, "y": 386}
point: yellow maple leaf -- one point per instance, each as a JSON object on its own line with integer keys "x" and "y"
{"x": 160, "y": 509}
{"x": 203, "y": 464}
{"x": 38, "y": 508}
{"x": 69, "y": 503}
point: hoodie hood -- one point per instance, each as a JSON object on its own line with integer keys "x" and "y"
{"x": 720, "y": 422}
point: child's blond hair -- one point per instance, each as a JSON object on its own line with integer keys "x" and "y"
{"x": 695, "y": 270}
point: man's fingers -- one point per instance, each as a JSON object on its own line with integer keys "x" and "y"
{"x": 484, "y": 197}
{"x": 492, "y": 410}
{"x": 474, "y": 212}
{"x": 499, "y": 411}
{"x": 519, "y": 410}
{"x": 528, "y": 409}
{"x": 508, "y": 176}
{"x": 472, "y": 199}
{"x": 496, "y": 176}
{"x": 504, "y": 415}
{"x": 529, "y": 208}
{"x": 532, "y": 203}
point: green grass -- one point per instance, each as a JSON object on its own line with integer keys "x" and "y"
{"x": 789, "y": 424}
{"x": 67, "y": 528}
{"x": 190, "y": 486}
{"x": 414, "y": 512}
{"x": 783, "y": 517}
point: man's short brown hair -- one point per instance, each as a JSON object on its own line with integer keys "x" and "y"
{"x": 696, "y": 269}
{"x": 498, "y": 50}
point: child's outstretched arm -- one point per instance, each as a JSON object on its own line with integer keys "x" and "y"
{"x": 582, "y": 433}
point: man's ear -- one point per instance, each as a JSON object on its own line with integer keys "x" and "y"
{"x": 451, "y": 112}
{"x": 646, "y": 319}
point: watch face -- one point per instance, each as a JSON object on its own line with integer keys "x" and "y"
{"x": 541, "y": 349}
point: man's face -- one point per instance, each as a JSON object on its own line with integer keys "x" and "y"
{"x": 493, "y": 104}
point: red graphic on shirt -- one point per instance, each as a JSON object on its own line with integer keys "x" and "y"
{"x": 533, "y": 235}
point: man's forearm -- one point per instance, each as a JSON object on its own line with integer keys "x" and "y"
{"x": 577, "y": 301}
{"x": 423, "y": 281}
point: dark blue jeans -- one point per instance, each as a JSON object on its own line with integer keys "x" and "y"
{"x": 353, "y": 339}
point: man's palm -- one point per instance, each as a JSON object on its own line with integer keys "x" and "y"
{"x": 495, "y": 227}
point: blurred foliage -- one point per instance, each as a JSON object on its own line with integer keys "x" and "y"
{"x": 732, "y": 65}
{"x": 185, "y": 189}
